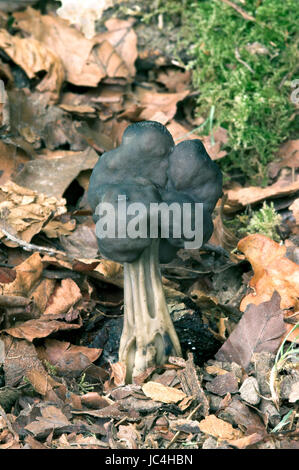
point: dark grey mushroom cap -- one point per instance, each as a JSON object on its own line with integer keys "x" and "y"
{"x": 148, "y": 168}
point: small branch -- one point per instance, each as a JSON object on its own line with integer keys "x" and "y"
{"x": 240, "y": 10}
{"x": 238, "y": 57}
{"x": 30, "y": 246}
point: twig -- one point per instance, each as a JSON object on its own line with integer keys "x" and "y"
{"x": 175, "y": 437}
{"x": 238, "y": 57}
{"x": 30, "y": 246}
{"x": 240, "y": 10}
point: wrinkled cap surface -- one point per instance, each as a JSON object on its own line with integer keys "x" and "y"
{"x": 148, "y": 168}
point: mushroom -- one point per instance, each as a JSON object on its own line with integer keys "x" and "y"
{"x": 148, "y": 168}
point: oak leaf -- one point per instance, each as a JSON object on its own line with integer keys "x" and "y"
{"x": 272, "y": 272}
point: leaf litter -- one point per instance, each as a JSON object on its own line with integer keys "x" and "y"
{"x": 61, "y": 304}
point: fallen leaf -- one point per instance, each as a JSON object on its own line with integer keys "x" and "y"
{"x": 218, "y": 428}
{"x": 66, "y": 357}
{"x": 7, "y": 275}
{"x": 159, "y": 392}
{"x": 159, "y": 107}
{"x": 86, "y": 61}
{"x": 82, "y": 242}
{"x": 289, "y": 157}
{"x": 272, "y": 272}
{"x": 239, "y": 198}
{"x": 33, "y": 329}
{"x": 33, "y": 56}
{"x": 52, "y": 176}
{"x": 239, "y": 414}
{"x": 25, "y": 212}
{"x": 213, "y": 147}
{"x": 123, "y": 38}
{"x": 95, "y": 400}
{"x": 20, "y": 358}
{"x": 223, "y": 384}
{"x": 174, "y": 79}
{"x": 63, "y": 298}
{"x": 260, "y": 329}
{"x": 246, "y": 441}
{"x": 28, "y": 275}
{"x": 51, "y": 418}
{"x": 118, "y": 374}
{"x": 11, "y": 159}
{"x": 41, "y": 382}
{"x": 215, "y": 370}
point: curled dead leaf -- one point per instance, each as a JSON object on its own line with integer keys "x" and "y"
{"x": 32, "y": 329}
{"x": 25, "y": 212}
{"x": 159, "y": 392}
{"x": 28, "y": 275}
{"x": 272, "y": 272}
{"x": 33, "y": 57}
{"x": 63, "y": 298}
{"x": 218, "y": 428}
{"x": 240, "y": 197}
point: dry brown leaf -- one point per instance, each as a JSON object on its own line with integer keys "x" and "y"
{"x": 158, "y": 106}
{"x": 11, "y": 158}
{"x": 28, "y": 275}
{"x": 24, "y": 212}
{"x": 174, "y": 79}
{"x": 260, "y": 329}
{"x": 51, "y": 176}
{"x": 51, "y": 418}
{"x": 74, "y": 50}
{"x": 159, "y": 392}
{"x": 20, "y": 357}
{"x": 63, "y": 298}
{"x": 58, "y": 228}
{"x": 272, "y": 272}
{"x": 123, "y": 38}
{"x": 86, "y": 61}
{"x": 32, "y": 329}
{"x": 67, "y": 357}
{"x": 241, "y": 197}
{"x": 215, "y": 370}
{"x": 118, "y": 374}
{"x": 223, "y": 384}
{"x": 180, "y": 133}
{"x": 95, "y": 400}
{"x": 82, "y": 242}
{"x": 33, "y": 57}
{"x": 218, "y": 428}
{"x": 41, "y": 382}
{"x": 246, "y": 441}
{"x": 289, "y": 157}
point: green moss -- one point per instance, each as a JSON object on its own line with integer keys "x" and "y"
{"x": 265, "y": 221}
{"x": 250, "y": 90}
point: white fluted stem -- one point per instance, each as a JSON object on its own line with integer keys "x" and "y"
{"x": 148, "y": 336}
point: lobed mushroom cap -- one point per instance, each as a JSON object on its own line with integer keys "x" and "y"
{"x": 147, "y": 167}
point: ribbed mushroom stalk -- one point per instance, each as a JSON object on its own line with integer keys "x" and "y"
{"x": 148, "y": 336}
